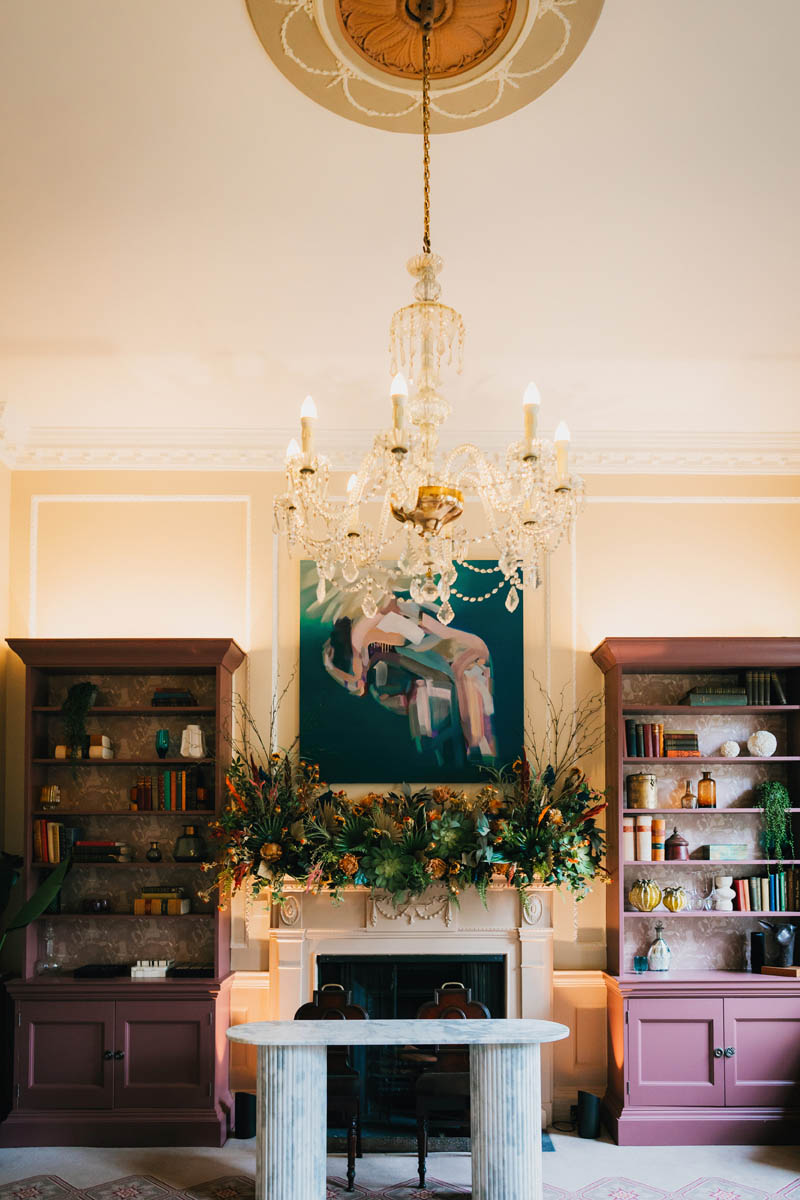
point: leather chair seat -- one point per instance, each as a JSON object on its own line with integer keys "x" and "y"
{"x": 443, "y": 1083}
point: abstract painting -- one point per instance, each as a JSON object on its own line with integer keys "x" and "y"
{"x": 400, "y": 697}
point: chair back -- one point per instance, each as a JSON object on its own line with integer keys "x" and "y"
{"x": 332, "y": 1003}
{"x": 453, "y": 1002}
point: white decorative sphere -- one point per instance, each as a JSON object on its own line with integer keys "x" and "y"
{"x": 729, "y": 750}
{"x": 762, "y": 743}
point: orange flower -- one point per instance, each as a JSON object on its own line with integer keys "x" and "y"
{"x": 349, "y": 864}
{"x": 437, "y": 867}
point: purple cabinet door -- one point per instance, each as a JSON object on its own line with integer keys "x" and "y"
{"x": 764, "y": 1035}
{"x": 61, "y": 1048}
{"x": 167, "y": 1054}
{"x": 671, "y": 1047}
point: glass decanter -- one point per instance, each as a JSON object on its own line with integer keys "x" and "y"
{"x": 48, "y": 963}
{"x": 659, "y": 954}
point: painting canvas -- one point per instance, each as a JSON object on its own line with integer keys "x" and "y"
{"x": 401, "y": 697}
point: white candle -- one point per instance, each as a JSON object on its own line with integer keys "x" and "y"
{"x": 308, "y": 414}
{"x": 561, "y": 439}
{"x": 530, "y": 413}
{"x": 399, "y": 395}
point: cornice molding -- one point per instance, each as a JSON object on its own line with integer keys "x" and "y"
{"x": 55, "y": 448}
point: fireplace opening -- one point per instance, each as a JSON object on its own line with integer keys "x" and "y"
{"x": 394, "y": 987}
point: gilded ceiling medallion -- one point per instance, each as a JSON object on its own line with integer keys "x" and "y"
{"x": 361, "y": 58}
{"x": 464, "y": 33}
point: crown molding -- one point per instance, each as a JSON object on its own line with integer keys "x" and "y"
{"x": 56, "y": 448}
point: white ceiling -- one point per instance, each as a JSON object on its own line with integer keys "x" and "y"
{"x": 188, "y": 243}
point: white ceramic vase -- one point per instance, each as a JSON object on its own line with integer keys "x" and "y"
{"x": 723, "y": 895}
{"x": 193, "y": 742}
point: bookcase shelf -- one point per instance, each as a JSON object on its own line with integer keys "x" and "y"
{"x": 138, "y": 710}
{"x": 122, "y": 866}
{"x": 686, "y": 710}
{"x": 743, "y": 760}
{"x": 688, "y": 812}
{"x": 55, "y": 814}
{"x": 711, "y": 863}
{"x": 114, "y": 916}
{"x": 121, "y": 762}
{"x": 683, "y": 915}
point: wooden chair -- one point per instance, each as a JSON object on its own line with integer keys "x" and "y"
{"x": 443, "y": 1091}
{"x": 332, "y": 1003}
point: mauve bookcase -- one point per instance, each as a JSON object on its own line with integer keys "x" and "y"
{"x": 116, "y": 1061}
{"x": 707, "y": 1052}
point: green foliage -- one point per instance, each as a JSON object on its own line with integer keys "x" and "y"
{"x": 524, "y": 829}
{"x": 35, "y": 906}
{"x": 74, "y": 710}
{"x": 774, "y": 800}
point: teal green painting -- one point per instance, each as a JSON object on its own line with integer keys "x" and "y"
{"x": 402, "y": 698}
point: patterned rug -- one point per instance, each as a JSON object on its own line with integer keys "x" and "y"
{"x": 240, "y": 1187}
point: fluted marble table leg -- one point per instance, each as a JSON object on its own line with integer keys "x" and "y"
{"x": 506, "y": 1106}
{"x": 291, "y": 1122}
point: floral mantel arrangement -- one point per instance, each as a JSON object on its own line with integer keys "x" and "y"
{"x": 531, "y": 824}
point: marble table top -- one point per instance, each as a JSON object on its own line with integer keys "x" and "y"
{"x": 398, "y": 1033}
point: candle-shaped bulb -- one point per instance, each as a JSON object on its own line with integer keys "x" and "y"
{"x": 532, "y": 396}
{"x": 308, "y": 410}
{"x": 351, "y": 486}
{"x": 530, "y": 415}
{"x": 561, "y": 439}
{"x": 399, "y": 387}
{"x": 352, "y": 510}
{"x": 293, "y": 449}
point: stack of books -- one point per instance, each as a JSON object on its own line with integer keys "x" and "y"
{"x": 151, "y": 968}
{"x": 171, "y": 791}
{"x": 644, "y": 741}
{"x": 100, "y": 746}
{"x": 680, "y": 743}
{"x": 165, "y": 697}
{"x": 727, "y": 695}
{"x": 764, "y": 687}
{"x": 53, "y": 841}
{"x": 100, "y": 851}
{"x": 775, "y": 893}
{"x": 161, "y": 902}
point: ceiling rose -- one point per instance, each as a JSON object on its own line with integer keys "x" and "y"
{"x": 361, "y": 58}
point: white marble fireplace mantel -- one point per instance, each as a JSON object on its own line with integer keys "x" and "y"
{"x": 288, "y": 940}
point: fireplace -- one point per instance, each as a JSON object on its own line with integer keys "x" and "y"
{"x": 308, "y": 935}
{"x": 394, "y": 986}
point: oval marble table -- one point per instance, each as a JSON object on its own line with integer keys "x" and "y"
{"x": 505, "y": 1082}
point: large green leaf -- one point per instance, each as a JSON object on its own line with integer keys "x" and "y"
{"x": 44, "y": 895}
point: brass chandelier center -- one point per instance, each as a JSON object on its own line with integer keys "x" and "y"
{"x": 463, "y": 33}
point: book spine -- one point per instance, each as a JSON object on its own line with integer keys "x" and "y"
{"x": 644, "y": 838}
{"x": 659, "y": 835}
{"x": 755, "y": 894}
{"x": 782, "y": 891}
{"x": 777, "y": 686}
{"x": 738, "y": 887}
{"x": 628, "y": 840}
{"x": 167, "y": 797}
{"x": 183, "y": 791}
{"x": 765, "y": 905}
{"x": 648, "y": 740}
{"x": 639, "y": 740}
{"x": 773, "y": 907}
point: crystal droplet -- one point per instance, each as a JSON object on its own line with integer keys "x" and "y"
{"x": 321, "y": 590}
{"x": 350, "y": 571}
{"x": 444, "y": 589}
{"x": 446, "y": 613}
{"x": 368, "y": 606}
{"x": 512, "y": 599}
{"x": 429, "y": 590}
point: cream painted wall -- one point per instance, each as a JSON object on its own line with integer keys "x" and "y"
{"x": 149, "y": 553}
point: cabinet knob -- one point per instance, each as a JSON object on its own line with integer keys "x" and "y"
{"x": 718, "y": 1052}
{"x": 108, "y": 1054}
{"x": 729, "y": 1051}
{"x": 118, "y": 1054}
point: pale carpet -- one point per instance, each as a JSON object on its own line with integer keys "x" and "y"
{"x": 594, "y": 1170}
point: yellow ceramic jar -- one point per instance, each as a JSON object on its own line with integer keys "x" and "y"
{"x": 645, "y": 895}
{"x": 675, "y": 898}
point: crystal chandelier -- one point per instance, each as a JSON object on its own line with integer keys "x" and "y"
{"x": 402, "y": 523}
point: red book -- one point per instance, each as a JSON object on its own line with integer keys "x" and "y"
{"x": 96, "y": 843}
{"x": 648, "y": 741}
{"x": 739, "y": 889}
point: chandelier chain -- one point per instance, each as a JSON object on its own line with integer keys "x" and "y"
{"x": 426, "y": 140}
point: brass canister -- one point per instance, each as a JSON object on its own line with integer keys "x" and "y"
{"x": 642, "y": 790}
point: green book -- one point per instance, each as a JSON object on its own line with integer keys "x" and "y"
{"x": 167, "y": 795}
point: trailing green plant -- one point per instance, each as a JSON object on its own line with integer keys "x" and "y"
{"x": 74, "y": 710}
{"x": 774, "y": 801}
{"x": 36, "y": 905}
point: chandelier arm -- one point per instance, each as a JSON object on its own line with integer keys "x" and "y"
{"x": 426, "y": 135}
